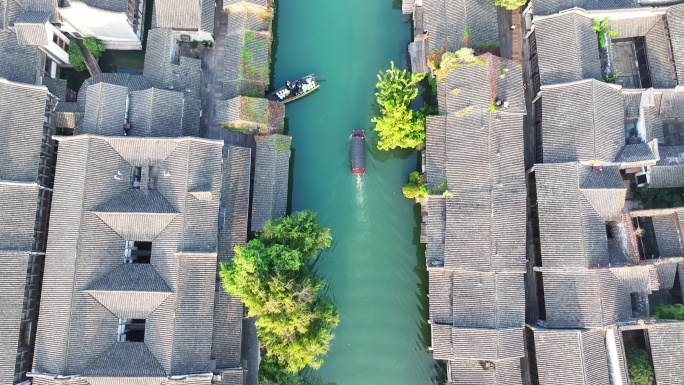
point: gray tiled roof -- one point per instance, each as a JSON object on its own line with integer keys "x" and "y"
{"x": 165, "y": 68}
{"x": 582, "y": 121}
{"x": 30, "y": 28}
{"x": 261, "y": 3}
{"x": 13, "y": 265}
{"x": 157, "y": 112}
{"x": 571, "y": 357}
{"x": 545, "y": 7}
{"x": 452, "y": 343}
{"x": 477, "y": 300}
{"x": 658, "y": 51}
{"x": 435, "y": 154}
{"x": 448, "y": 20}
{"x": 109, "y": 5}
{"x": 131, "y": 359}
{"x": 485, "y": 219}
{"x": 567, "y": 48}
{"x": 675, "y": 22}
{"x": 184, "y": 15}
{"x": 584, "y": 298}
{"x": 152, "y": 112}
{"x": 235, "y": 200}
{"x": 669, "y": 171}
{"x": 18, "y": 203}
{"x": 18, "y": 63}
{"x": 57, "y": 87}
{"x": 271, "y": 177}
{"x": 246, "y": 55}
{"x": 248, "y": 112}
{"x": 22, "y": 111}
{"x": 228, "y": 310}
{"x": 87, "y": 287}
{"x": 575, "y": 201}
{"x": 634, "y": 153}
{"x": 599, "y": 298}
{"x": 477, "y": 85}
{"x": 469, "y": 372}
{"x": 666, "y": 339}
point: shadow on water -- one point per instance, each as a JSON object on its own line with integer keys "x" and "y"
{"x": 290, "y": 182}
{"x": 274, "y": 48}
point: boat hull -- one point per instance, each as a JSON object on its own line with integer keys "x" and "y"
{"x": 358, "y": 152}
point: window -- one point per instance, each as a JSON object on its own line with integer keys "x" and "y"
{"x": 222, "y": 217}
{"x": 136, "y": 175}
{"x": 138, "y": 252}
{"x": 154, "y": 175}
{"x": 631, "y": 133}
{"x": 131, "y": 330}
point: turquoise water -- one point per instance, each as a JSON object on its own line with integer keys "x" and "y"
{"x": 376, "y": 265}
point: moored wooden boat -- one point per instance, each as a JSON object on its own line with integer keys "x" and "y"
{"x": 292, "y": 91}
{"x": 358, "y": 152}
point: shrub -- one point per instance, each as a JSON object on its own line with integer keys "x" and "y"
{"x": 76, "y": 57}
{"x": 510, "y": 4}
{"x": 611, "y": 77}
{"x": 451, "y": 60}
{"x": 411, "y": 191}
{"x": 675, "y": 312}
{"x": 638, "y": 366}
{"x": 274, "y": 278}
{"x": 398, "y": 125}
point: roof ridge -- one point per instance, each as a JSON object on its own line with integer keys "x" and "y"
{"x": 78, "y": 240}
{"x": 579, "y": 201}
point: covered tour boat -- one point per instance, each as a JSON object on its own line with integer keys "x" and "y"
{"x": 358, "y": 152}
{"x": 292, "y": 91}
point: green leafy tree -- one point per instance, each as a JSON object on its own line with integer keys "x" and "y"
{"x": 76, "y": 57}
{"x": 300, "y": 231}
{"x": 638, "y": 366}
{"x": 273, "y": 277}
{"x": 660, "y": 198}
{"x": 675, "y": 312}
{"x": 601, "y": 28}
{"x": 398, "y": 125}
{"x": 510, "y": 4}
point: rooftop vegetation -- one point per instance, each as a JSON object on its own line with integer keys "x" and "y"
{"x": 273, "y": 276}
{"x": 398, "y": 126}
{"x": 251, "y": 69}
{"x": 442, "y": 63}
{"x": 510, "y": 4}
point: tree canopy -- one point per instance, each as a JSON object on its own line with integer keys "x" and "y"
{"x": 273, "y": 277}
{"x": 675, "y": 312}
{"x": 510, "y": 4}
{"x": 398, "y": 125}
{"x": 76, "y": 57}
{"x": 601, "y": 28}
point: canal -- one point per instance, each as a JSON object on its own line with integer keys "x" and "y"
{"x": 376, "y": 267}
